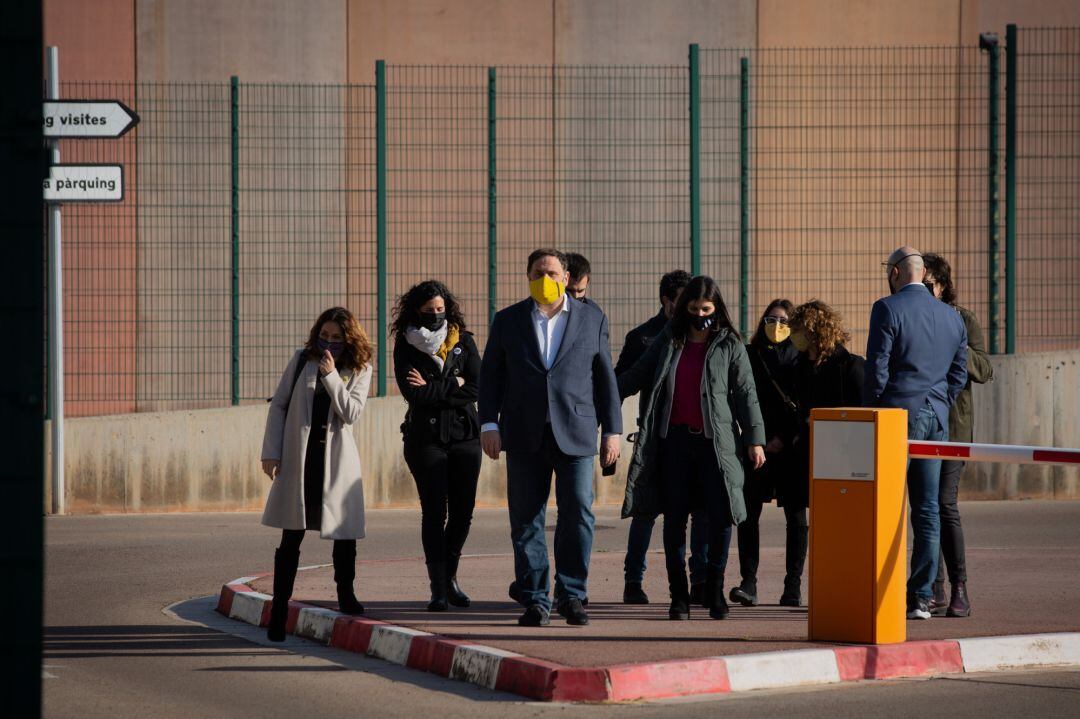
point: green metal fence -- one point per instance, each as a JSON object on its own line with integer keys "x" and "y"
{"x": 252, "y": 207}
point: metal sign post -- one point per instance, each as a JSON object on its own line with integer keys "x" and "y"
{"x": 56, "y": 308}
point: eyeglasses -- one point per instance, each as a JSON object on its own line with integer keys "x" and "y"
{"x": 775, "y": 321}
{"x": 889, "y": 265}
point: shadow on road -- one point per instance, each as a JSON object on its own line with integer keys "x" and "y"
{"x": 142, "y": 640}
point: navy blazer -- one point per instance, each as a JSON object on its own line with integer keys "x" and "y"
{"x": 578, "y": 392}
{"x": 917, "y": 350}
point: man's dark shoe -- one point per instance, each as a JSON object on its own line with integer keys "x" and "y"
{"x": 960, "y": 604}
{"x": 792, "y": 596}
{"x": 534, "y": 616}
{"x": 515, "y": 591}
{"x": 719, "y": 609}
{"x": 744, "y": 594}
{"x": 574, "y": 612}
{"x": 634, "y": 594}
{"x": 939, "y": 602}
{"x": 679, "y": 609}
{"x": 918, "y": 608}
{"x": 697, "y": 594}
{"x": 454, "y": 595}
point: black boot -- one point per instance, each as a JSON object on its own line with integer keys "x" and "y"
{"x": 454, "y": 595}
{"x": 796, "y": 560}
{"x": 436, "y": 572}
{"x": 285, "y": 563}
{"x": 680, "y": 596}
{"x": 344, "y": 573}
{"x": 745, "y": 594}
{"x": 714, "y": 587}
{"x": 939, "y": 603}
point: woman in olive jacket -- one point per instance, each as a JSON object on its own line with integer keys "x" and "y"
{"x": 939, "y": 281}
{"x": 437, "y": 367}
{"x": 826, "y": 375}
{"x": 700, "y": 421}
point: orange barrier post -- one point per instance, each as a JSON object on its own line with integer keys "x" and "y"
{"x": 858, "y": 525}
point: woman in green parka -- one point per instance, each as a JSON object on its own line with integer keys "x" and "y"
{"x": 699, "y": 421}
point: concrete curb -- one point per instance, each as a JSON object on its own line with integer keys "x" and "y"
{"x": 546, "y": 681}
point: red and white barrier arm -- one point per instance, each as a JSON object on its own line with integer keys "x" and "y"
{"x": 1002, "y": 453}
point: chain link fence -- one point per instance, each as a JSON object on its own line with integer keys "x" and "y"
{"x": 252, "y": 207}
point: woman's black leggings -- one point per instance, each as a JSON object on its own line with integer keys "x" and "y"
{"x": 291, "y": 539}
{"x": 445, "y": 476}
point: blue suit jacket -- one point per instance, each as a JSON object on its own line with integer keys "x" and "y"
{"x": 578, "y": 392}
{"x": 917, "y": 350}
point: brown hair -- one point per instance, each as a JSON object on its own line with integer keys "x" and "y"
{"x": 759, "y": 337}
{"x": 358, "y": 351}
{"x": 823, "y": 325}
{"x": 938, "y": 268}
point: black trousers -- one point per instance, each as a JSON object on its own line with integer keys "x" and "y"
{"x": 445, "y": 476}
{"x": 952, "y": 534}
{"x": 291, "y": 539}
{"x": 749, "y": 533}
{"x": 691, "y": 481}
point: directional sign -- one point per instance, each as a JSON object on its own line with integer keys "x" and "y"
{"x": 88, "y": 118}
{"x": 85, "y": 183}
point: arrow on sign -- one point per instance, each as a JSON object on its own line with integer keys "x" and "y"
{"x": 84, "y": 183}
{"x": 88, "y": 118}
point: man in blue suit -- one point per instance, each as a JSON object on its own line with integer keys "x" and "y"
{"x": 546, "y": 384}
{"x": 916, "y": 359}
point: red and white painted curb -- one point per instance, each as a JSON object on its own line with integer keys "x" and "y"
{"x": 999, "y": 453}
{"x": 547, "y": 681}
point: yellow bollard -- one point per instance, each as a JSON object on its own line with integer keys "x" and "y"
{"x": 858, "y": 525}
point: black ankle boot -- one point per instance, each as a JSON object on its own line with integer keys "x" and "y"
{"x": 680, "y": 596}
{"x": 344, "y": 574}
{"x": 454, "y": 595}
{"x": 436, "y": 572}
{"x": 285, "y": 563}
{"x": 714, "y": 592}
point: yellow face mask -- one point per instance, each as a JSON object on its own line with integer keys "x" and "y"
{"x": 800, "y": 340}
{"x": 777, "y": 332}
{"x": 545, "y": 290}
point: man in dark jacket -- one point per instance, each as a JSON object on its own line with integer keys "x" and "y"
{"x": 916, "y": 359}
{"x": 546, "y": 386}
{"x": 637, "y": 541}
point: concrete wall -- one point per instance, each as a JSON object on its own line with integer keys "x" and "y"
{"x": 207, "y": 460}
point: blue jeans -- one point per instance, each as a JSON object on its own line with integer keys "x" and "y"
{"x": 637, "y": 544}
{"x": 528, "y": 485}
{"x": 923, "y": 479}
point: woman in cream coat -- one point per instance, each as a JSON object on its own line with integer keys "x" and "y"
{"x": 310, "y": 454}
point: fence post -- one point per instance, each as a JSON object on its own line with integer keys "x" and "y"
{"x": 744, "y": 195}
{"x": 695, "y": 161}
{"x": 380, "y": 222}
{"x": 990, "y": 43}
{"x": 234, "y": 163}
{"x": 493, "y": 252}
{"x": 1011, "y": 79}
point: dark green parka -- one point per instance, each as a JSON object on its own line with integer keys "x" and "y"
{"x": 729, "y": 406}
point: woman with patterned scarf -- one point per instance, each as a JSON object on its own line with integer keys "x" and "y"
{"x": 437, "y": 367}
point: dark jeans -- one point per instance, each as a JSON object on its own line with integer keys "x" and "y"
{"x": 924, "y": 481}
{"x": 528, "y": 485}
{"x": 637, "y": 545}
{"x": 952, "y": 534}
{"x": 691, "y": 480}
{"x": 445, "y": 476}
{"x": 749, "y": 533}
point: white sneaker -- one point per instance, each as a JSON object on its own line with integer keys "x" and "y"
{"x": 918, "y": 608}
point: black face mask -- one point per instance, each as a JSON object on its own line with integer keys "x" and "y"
{"x": 702, "y": 322}
{"x": 432, "y": 320}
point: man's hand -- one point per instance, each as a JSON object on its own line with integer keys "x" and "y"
{"x": 609, "y": 450}
{"x": 491, "y": 443}
{"x": 757, "y": 456}
{"x": 271, "y": 467}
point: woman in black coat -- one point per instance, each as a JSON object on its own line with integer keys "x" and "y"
{"x": 773, "y": 360}
{"x": 826, "y": 375}
{"x": 437, "y": 367}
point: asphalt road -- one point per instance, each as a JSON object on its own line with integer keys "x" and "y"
{"x": 112, "y": 650}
